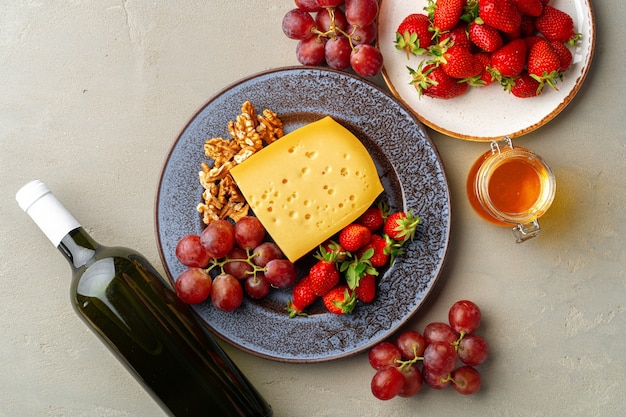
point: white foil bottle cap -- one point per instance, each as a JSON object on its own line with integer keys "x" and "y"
{"x": 36, "y": 199}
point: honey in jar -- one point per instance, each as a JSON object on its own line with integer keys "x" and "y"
{"x": 511, "y": 186}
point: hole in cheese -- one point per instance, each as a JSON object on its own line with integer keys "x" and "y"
{"x": 272, "y": 179}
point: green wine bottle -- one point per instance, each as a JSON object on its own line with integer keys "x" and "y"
{"x": 139, "y": 317}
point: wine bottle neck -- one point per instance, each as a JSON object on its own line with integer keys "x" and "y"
{"x": 54, "y": 220}
{"x": 78, "y": 247}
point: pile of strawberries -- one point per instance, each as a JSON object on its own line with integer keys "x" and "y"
{"x": 347, "y": 268}
{"x": 523, "y": 45}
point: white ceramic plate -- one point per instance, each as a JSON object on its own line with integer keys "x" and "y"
{"x": 488, "y": 113}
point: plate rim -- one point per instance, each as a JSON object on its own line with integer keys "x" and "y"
{"x": 521, "y": 132}
{"x": 447, "y": 227}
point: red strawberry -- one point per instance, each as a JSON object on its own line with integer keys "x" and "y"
{"x": 484, "y": 36}
{"x": 302, "y": 297}
{"x": 433, "y": 82}
{"x": 447, "y": 14}
{"x": 458, "y": 37}
{"x": 529, "y": 7}
{"x": 381, "y": 249}
{"x": 509, "y": 60}
{"x": 366, "y": 291}
{"x": 527, "y": 27}
{"x": 485, "y": 78}
{"x": 401, "y": 225}
{"x": 339, "y": 254}
{"x": 525, "y": 86}
{"x": 339, "y": 300}
{"x": 565, "y": 55}
{"x": 373, "y": 218}
{"x": 500, "y": 14}
{"x": 323, "y": 275}
{"x": 544, "y": 64}
{"x": 556, "y": 26}
{"x": 354, "y": 236}
{"x": 459, "y": 62}
{"x": 413, "y": 34}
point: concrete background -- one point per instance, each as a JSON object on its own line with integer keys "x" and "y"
{"x": 93, "y": 93}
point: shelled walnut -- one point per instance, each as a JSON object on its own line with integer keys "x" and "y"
{"x": 249, "y": 133}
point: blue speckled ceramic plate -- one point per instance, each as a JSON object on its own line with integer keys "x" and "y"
{"x": 409, "y": 167}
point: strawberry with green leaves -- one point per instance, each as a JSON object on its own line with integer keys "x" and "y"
{"x": 413, "y": 35}
{"x": 302, "y": 296}
{"x": 433, "y": 82}
{"x": 544, "y": 64}
{"x": 381, "y": 251}
{"x": 324, "y": 275}
{"x": 524, "y": 86}
{"x": 459, "y": 62}
{"x": 354, "y": 236}
{"x": 509, "y": 61}
{"x": 556, "y": 26}
{"x": 446, "y": 13}
{"x": 401, "y": 225}
{"x": 340, "y": 300}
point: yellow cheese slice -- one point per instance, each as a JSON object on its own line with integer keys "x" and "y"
{"x": 308, "y": 185}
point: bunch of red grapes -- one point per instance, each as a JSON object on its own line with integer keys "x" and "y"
{"x": 439, "y": 348}
{"x": 226, "y": 260}
{"x": 337, "y": 33}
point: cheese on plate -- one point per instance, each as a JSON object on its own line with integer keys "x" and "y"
{"x": 308, "y": 185}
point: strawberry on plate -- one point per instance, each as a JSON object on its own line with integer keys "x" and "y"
{"x": 366, "y": 291}
{"x": 556, "y": 25}
{"x": 354, "y": 236}
{"x": 500, "y": 14}
{"x": 324, "y": 274}
{"x": 447, "y": 13}
{"x": 401, "y": 225}
{"x": 525, "y": 86}
{"x": 432, "y": 81}
{"x": 339, "y": 300}
{"x": 302, "y": 296}
{"x": 509, "y": 61}
{"x": 413, "y": 35}
{"x": 544, "y": 64}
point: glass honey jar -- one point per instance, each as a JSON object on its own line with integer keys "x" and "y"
{"x": 511, "y": 186}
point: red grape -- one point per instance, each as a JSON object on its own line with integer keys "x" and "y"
{"x": 265, "y": 252}
{"x": 412, "y": 381}
{"x": 324, "y": 20}
{"x": 411, "y": 344}
{"x": 218, "y": 238}
{"x": 466, "y": 380}
{"x": 440, "y": 358}
{"x": 193, "y": 286}
{"x": 330, "y": 3}
{"x": 237, "y": 264}
{"x": 435, "y": 381}
{"x": 191, "y": 252}
{"x": 473, "y": 350}
{"x": 361, "y": 12}
{"x": 257, "y": 286}
{"x": 311, "y": 51}
{"x": 298, "y": 24}
{"x": 308, "y": 5}
{"x": 384, "y": 354}
{"x": 338, "y": 52}
{"x": 366, "y": 60}
{"x": 249, "y": 232}
{"x": 387, "y": 383}
{"x": 226, "y": 292}
{"x": 280, "y": 273}
{"x": 464, "y": 316}
{"x": 439, "y": 332}
{"x": 364, "y": 35}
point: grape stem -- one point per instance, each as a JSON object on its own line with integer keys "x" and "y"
{"x": 404, "y": 365}
{"x": 219, "y": 263}
{"x": 334, "y": 31}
